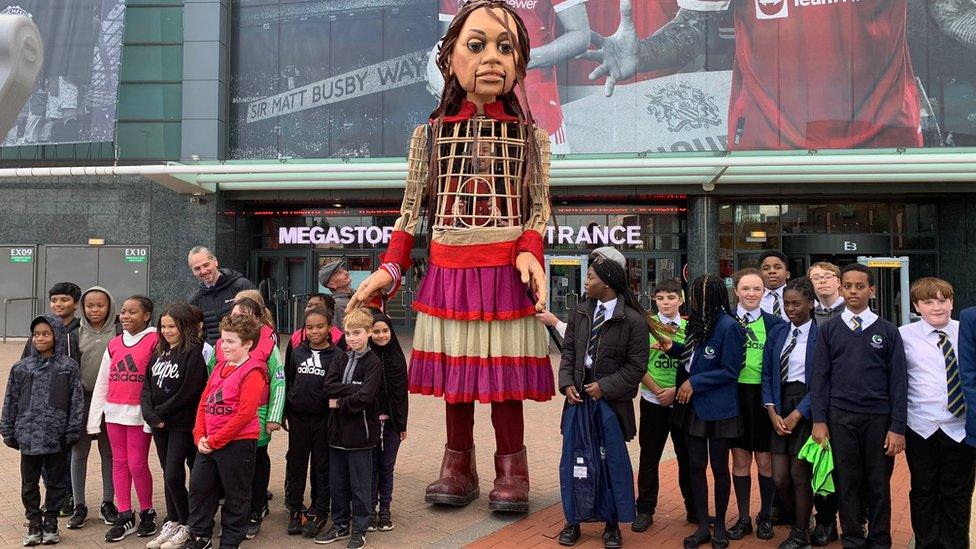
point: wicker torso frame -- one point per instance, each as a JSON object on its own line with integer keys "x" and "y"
{"x": 480, "y": 175}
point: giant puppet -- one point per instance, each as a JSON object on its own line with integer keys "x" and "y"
{"x": 478, "y": 173}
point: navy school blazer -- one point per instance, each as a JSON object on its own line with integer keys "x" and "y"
{"x": 775, "y": 343}
{"x": 967, "y": 369}
{"x": 715, "y": 370}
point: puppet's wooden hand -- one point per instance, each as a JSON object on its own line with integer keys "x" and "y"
{"x": 370, "y": 288}
{"x": 534, "y": 276}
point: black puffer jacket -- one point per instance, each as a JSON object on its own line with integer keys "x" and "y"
{"x": 216, "y": 301}
{"x": 44, "y": 407}
{"x": 621, "y": 358}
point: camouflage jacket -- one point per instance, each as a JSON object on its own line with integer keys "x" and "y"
{"x": 43, "y": 409}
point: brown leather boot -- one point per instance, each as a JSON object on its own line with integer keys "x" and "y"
{"x": 458, "y": 484}
{"x": 511, "y": 492}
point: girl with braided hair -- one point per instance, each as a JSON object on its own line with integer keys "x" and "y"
{"x": 477, "y": 173}
{"x": 707, "y": 405}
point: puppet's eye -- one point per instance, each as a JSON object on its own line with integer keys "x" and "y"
{"x": 476, "y": 46}
{"x": 506, "y": 48}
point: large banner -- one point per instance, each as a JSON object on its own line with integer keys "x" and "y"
{"x": 77, "y": 90}
{"x": 351, "y": 78}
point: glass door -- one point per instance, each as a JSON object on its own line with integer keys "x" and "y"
{"x": 566, "y": 275}
{"x": 283, "y": 277}
{"x": 644, "y": 271}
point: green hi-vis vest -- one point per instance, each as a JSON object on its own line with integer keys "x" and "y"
{"x": 755, "y": 342}
{"x": 662, "y": 367}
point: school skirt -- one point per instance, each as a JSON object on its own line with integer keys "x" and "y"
{"x": 684, "y": 417}
{"x": 756, "y": 427}
{"x": 792, "y": 393}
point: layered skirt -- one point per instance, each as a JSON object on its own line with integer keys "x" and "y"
{"x": 476, "y": 338}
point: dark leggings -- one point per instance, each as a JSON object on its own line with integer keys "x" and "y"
{"x": 262, "y": 477}
{"x": 792, "y": 478}
{"x": 701, "y": 451}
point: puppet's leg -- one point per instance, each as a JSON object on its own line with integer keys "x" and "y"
{"x": 511, "y": 491}
{"x": 458, "y": 482}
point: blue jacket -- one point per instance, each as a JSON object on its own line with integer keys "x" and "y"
{"x": 967, "y": 369}
{"x": 775, "y": 343}
{"x": 596, "y": 480}
{"x": 715, "y": 370}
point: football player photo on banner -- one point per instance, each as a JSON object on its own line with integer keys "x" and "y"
{"x": 349, "y": 78}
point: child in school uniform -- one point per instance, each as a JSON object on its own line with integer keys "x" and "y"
{"x": 657, "y": 396}
{"x": 757, "y": 429}
{"x": 859, "y": 403}
{"x": 775, "y": 274}
{"x": 787, "y": 365}
{"x": 943, "y": 466}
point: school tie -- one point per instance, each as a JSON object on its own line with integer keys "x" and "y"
{"x": 777, "y": 309}
{"x": 784, "y": 359}
{"x": 601, "y": 317}
{"x": 856, "y": 325}
{"x": 957, "y": 405}
{"x": 745, "y": 320}
{"x": 686, "y": 352}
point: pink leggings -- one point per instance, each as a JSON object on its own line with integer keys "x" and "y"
{"x": 130, "y": 464}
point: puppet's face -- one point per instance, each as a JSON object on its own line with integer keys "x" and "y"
{"x": 484, "y": 56}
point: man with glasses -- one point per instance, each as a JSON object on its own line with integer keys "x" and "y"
{"x": 826, "y": 282}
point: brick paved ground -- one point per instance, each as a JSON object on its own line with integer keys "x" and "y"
{"x": 419, "y": 525}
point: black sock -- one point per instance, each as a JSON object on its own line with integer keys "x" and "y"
{"x": 743, "y": 491}
{"x": 766, "y": 490}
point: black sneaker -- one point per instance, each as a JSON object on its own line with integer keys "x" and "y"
{"x": 332, "y": 535}
{"x": 373, "y": 520}
{"x": 315, "y": 523}
{"x": 79, "y": 517}
{"x": 253, "y": 526}
{"x": 296, "y": 521}
{"x": 741, "y": 529}
{"x": 764, "y": 528}
{"x": 34, "y": 535}
{"x": 197, "y": 542}
{"x": 356, "y": 541}
{"x": 49, "y": 533}
{"x": 147, "y": 523}
{"x": 108, "y": 512}
{"x": 642, "y": 522}
{"x": 68, "y": 507}
{"x": 569, "y": 535}
{"x": 124, "y": 525}
{"x": 385, "y": 523}
{"x": 266, "y": 511}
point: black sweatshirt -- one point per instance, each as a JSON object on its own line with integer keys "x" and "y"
{"x": 173, "y": 387}
{"x": 305, "y": 379}
{"x": 862, "y": 373}
{"x": 355, "y": 380}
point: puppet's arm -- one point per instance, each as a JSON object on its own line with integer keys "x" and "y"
{"x": 527, "y": 253}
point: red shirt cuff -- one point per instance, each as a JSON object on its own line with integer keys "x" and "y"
{"x": 401, "y": 244}
{"x": 530, "y": 241}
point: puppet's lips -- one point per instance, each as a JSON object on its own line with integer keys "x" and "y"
{"x": 492, "y": 75}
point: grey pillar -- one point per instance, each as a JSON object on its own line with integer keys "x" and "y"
{"x": 702, "y": 235}
{"x": 206, "y": 48}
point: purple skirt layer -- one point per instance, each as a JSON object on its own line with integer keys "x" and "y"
{"x": 477, "y": 293}
{"x": 475, "y": 379}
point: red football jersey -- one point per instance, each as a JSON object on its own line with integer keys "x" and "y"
{"x": 539, "y": 17}
{"x": 820, "y": 74}
{"x": 604, "y": 16}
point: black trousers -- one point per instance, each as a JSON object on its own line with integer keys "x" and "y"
{"x": 232, "y": 467}
{"x": 351, "y": 480}
{"x": 857, "y": 441}
{"x": 176, "y": 452}
{"x": 56, "y": 485}
{"x": 384, "y": 461}
{"x": 262, "y": 477}
{"x": 943, "y": 475}
{"x": 655, "y": 426}
{"x": 307, "y": 439}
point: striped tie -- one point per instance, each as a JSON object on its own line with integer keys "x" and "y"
{"x": 601, "y": 317}
{"x": 784, "y": 359}
{"x": 777, "y": 309}
{"x": 686, "y": 352}
{"x": 957, "y": 406}
{"x": 856, "y": 325}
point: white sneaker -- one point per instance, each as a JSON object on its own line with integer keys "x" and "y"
{"x": 181, "y": 536}
{"x": 167, "y": 532}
